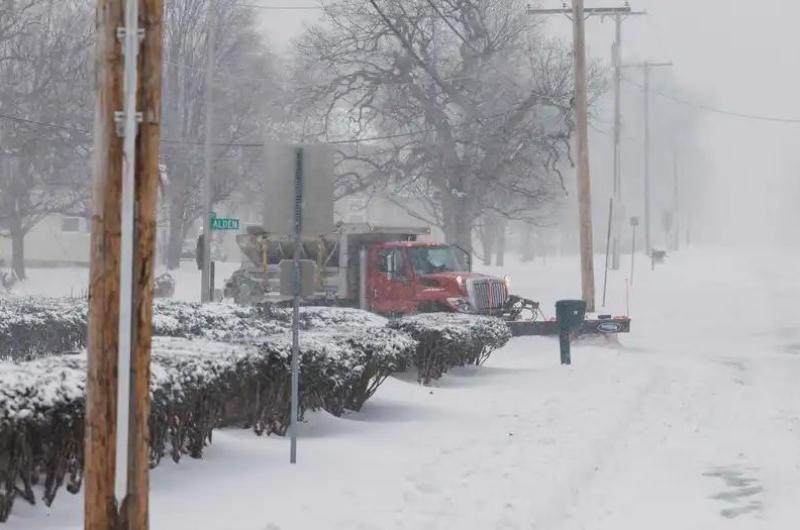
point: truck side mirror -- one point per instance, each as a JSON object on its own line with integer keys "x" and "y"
{"x": 467, "y": 257}
{"x": 391, "y": 265}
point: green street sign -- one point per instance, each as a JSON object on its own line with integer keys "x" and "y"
{"x": 223, "y": 223}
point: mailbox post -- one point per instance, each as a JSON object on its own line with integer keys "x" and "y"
{"x": 570, "y": 314}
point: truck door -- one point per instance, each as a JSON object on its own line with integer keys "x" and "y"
{"x": 389, "y": 282}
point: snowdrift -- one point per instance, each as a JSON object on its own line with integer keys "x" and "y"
{"x": 212, "y": 366}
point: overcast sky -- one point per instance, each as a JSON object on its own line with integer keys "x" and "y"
{"x": 731, "y": 55}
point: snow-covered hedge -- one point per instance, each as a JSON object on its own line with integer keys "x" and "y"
{"x": 34, "y": 328}
{"x": 196, "y": 386}
{"x": 212, "y": 366}
{"x": 450, "y": 339}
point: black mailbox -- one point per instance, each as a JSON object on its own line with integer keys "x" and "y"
{"x": 570, "y": 314}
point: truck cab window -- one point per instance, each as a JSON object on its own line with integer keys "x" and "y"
{"x": 390, "y": 262}
{"x": 433, "y": 260}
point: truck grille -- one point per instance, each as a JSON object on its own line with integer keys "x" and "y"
{"x": 488, "y": 296}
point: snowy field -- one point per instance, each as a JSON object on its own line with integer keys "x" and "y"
{"x": 690, "y": 422}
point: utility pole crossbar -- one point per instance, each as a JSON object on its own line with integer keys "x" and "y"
{"x": 588, "y": 11}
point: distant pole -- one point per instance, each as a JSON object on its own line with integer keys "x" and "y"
{"x": 298, "y": 247}
{"x": 205, "y": 276}
{"x": 647, "y": 242}
{"x": 617, "y": 183}
{"x": 676, "y": 201}
{"x": 634, "y": 224}
{"x": 617, "y": 187}
{"x": 646, "y": 66}
{"x": 608, "y": 245}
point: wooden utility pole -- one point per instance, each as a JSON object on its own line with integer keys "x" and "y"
{"x": 582, "y": 140}
{"x": 105, "y": 508}
{"x": 102, "y": 342}
{"x": 148, "y": 151}
{"x": 646, "y": 67}
{"x": 578, "y": 14}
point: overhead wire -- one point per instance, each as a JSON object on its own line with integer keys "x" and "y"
{"x": 712, "y": 109}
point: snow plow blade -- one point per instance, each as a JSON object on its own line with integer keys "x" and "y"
{"x": 591, "y": 326}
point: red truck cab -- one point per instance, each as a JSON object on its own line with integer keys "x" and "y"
{"x": 414, "y": 277}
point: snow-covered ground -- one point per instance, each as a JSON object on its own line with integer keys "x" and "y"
{"x": 74, "y": 281}
{"x": 690, "y": 422}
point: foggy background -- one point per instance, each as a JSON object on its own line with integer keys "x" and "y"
{"x": 739, "y": 176}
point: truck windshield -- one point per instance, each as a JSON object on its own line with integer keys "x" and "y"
{"x": 432, "y": 260}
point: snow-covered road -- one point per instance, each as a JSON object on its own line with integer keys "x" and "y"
{"x": 690, "y": 422}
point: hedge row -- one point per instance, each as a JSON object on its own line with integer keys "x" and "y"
{"x": 213, "y": 366}
{"x": 35, "y": 328}
{"x": 445, "y": 340}
{"x": 196, "y": 387}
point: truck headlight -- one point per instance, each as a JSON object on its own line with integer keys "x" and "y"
{"x": 460, "y": 281}
{"x": 460, "y": 305}
{"x": 507, "y": 281}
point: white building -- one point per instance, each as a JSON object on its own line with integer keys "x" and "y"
{"x": 57, "y": 240}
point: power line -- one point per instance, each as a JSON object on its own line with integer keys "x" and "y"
{"x": 281, "y": 8}
{"x": 262, "y": 144}
{"x": 715, "y": 110}
{"x": 19, "y": 119}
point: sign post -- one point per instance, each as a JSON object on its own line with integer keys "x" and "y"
{"x": 298, "y": 246}
{"x": 634, "y": 224}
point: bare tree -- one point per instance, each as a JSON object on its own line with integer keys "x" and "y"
{"x": 244, "y": 92}
{"x": 472, "y": 104}
{"x": 46, "y": 114}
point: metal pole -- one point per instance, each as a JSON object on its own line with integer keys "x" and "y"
{"x": 633, "y": 252}
{"x": 582, "y": 140}
{"x": 608, "y": 245}
{"x": 647, "y": 158}
{"x": 298, "y": 226}
{"x": 675, "y": 201}
{"x": 205, "y": 276}
{"x": 131, "y": 53}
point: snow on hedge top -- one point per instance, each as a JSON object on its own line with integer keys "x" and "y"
{"x": 230, "y": 322}
{"x": 31, "y": 390}
{"x": 32, "y": 328}
{"x": 325, "y": 317}
{"x": 39, "y": 327}
{"x": 456, "y": 327}
{"x": 212, "y": 321}
{"x": 34, "y": 390}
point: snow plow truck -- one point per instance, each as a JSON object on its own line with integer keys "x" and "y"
{"x": 389, "y": 271}
{"x": 384, "y": 269}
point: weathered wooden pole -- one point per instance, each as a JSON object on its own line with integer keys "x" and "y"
{"x": 102, "y": 502}
{"x": 582, "y": 142}
{"x": 102, "y": 343}
{"x": 146, "y": 197}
